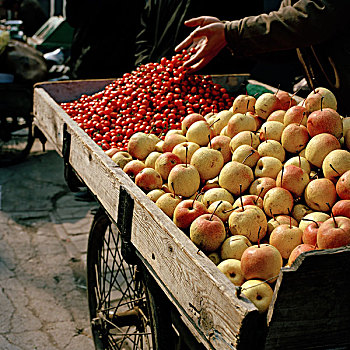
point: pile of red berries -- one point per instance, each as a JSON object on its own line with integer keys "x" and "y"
{"x": 153, "y": 98}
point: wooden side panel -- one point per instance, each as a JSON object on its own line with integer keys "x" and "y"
{"x": 311, "y": 306}
{"x": 65, "y": 91}
{"x": 49, "y": 118}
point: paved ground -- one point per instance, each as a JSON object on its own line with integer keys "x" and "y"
{"x": 43, "y": 239}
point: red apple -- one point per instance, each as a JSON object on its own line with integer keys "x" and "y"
{"x": 165, "y": 162}
{"x": 171, "y": 141}
{"x": 310, "y": 232}
{"x": 207, "y": 232}
{"x": 293, "y": 179}
{"x": 294, "y": 138}
{"x": 261, "y": 185}
{"x": 301, "y": 248}
{"x": 189, "y": 120}
{"x": 295, "y": 114}
{"x": 148, "y": 179}
{"x": 325, "y": 120}
{"x": 342, "y": 208}
{"x": 318, "y": 193}
{"x": 222, "y": 144}
{"x": 134, "y": 167}
{"x": 277, "y": 116}
{"x": 186, "y": 211}
{"x": 343, "y": 186}
{"x": 249, "y": 199}
{"x": 334, "y": 233}
{"x": 286, "y": 100}
{"x": 261, "y": 261}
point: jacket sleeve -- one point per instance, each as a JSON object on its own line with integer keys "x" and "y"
{"x": 299, "y": 25}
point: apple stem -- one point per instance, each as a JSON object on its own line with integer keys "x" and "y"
{"x": 259, "y": 236}
{"x": 282, "y": 172}
{"x": 240, "y": 196}
{"x": 211, "y": 216}
{"x": 196, "y": 196}
{"x": 172, "y": 186}
{"x": 228, "y": 210}
{"x": 273, "y": 215}
{"x": 209, "y": 142}
{"x": 261, "y": 191}
{"x": 290, "y": 218}
{"x": 194, "y": 199}
{"x": 316, "y": 223}
{"x": 250, "y": 154}
{"x": 265, "y": 132}
{"x": 322, "y": 102}
{"x": 332, "y": 215}
{"x": 215, "y": 121}
{"x": 251, "y": 139}
{"x": 248, "y": 104}
{"x": 334, "y": 169}
{"x": 302, "y": 117}
{"x": 299, "y": 161}
{"x": 278, "y": 89}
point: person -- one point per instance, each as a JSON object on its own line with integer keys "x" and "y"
{"x": 161, "y": 28}
{"x": 104, "y": 37}
{"x": 318, "y": 29}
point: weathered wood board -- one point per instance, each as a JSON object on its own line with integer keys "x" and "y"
{"x": 310, "y": 308}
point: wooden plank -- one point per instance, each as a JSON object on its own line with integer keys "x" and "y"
{"x": 70, "y": 90}
{"x": 202, "y": 294}
{"x": 311, "y": 304}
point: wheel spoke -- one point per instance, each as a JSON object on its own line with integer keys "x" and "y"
{"x": 119, "y": 305}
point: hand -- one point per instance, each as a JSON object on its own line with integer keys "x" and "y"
{"x": 208, "y": 40}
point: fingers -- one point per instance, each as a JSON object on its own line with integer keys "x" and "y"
{"x": 195, "y": 22}
{"x": 199, "y": 65}
{"x": 184, "y": 44}
{"x": 189, "y": 40}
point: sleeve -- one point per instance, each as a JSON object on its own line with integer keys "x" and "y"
{"x": 299, "y": 25}
{"x": 77, "y": 11}
{"x": 144, "y": 36}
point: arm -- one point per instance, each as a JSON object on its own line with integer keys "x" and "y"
{"x": 302, "y": 24}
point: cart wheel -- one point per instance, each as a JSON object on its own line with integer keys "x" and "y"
{"x": 16, "y": 139}
{"x": 128, "y": 310}
{"x": 119, "y": 306}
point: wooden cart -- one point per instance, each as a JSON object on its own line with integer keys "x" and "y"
{"x": 311, "y": 303}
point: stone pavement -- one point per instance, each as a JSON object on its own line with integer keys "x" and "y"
{"x": 43, "y": 241}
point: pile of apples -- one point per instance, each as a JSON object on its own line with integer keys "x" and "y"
{"x": 253, "y": 186}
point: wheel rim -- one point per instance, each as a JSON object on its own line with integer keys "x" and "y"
{"x": 117, "y": 300}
